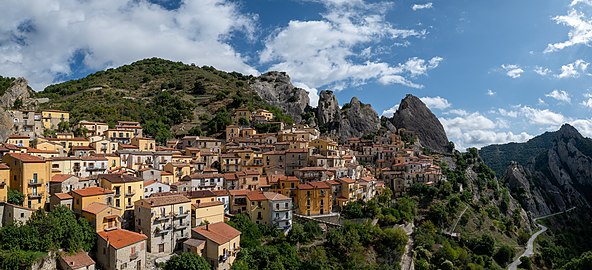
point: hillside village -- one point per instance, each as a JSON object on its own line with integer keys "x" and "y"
{"x": 147, "y": 200}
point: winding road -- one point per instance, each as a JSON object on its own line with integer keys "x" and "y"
{"x": 530, "y": 244}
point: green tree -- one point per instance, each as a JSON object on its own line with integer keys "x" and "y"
{"x": 158, "y": 130}
{"x": 187, "y": 261}
{"x": 198, "y": 88}
{"x": 63, "y": 126}
{"x": 195, "y": 131}
{"x": 15, "y": 197}
{"x": 504, "y": 255}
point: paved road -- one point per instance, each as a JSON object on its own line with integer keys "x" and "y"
{"x": 529, "y": 248}
{"x": 530, "y": 245}
{"x": 407, "y": 258}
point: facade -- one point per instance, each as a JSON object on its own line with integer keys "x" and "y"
{"x": 207, "y": 212}
{"x": 270, "y": 208}
{"x": 93, "y": 128}
{"x": 154, "y": 186}
{"x": 4, "y": 182}
{"x": 120, "y": 249}
{"x": 52, "y": 118}
{"x": 127, "y": 189}
{"x": 84, "y": 197}
{"x": 313, "y": 198}
{"x": 165, "y": 221}
{"x": 29, "y": 175}
{"x": 78, "y": 261}
{"x": 101, "y": 216}
{"x": 222, "y": 243}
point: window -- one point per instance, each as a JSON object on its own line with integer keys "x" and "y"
{"x": 117, "y": 204}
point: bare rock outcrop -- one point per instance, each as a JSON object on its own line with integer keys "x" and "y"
{"x": 413, "y": 115}
{"x": 19, "y": 90}
{"x": 277, "y": 89}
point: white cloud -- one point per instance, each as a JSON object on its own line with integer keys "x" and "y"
{"x": 313, "y": 93}
{"x": 542, "y": 71}
{"x": 476, "y": 130}
{"x": 321, "y": 53}
{"x": 490, "y": 92}
{"x": 422, "y": 6}
{"x": 390, "y": 111}
{"x": 456, "y": 112}
{"x": 573, "y": 70}
{"x": 513, "y": 71}
{"x": 541, "y": 102}
{"x": 580, "y": 32}
{"x": 39, "y": 41}
{"x": 575, "y": 2}
{"x": 584, "y": 126}
{"x": 559, "y": 95}
{"x": 543, "y": 117}
{"x": 507, "y": 113}
{"x": 587, "y": 103}
{"x": 436, "y": 102}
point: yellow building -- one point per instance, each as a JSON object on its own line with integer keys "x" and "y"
{"x": 178, "y": 170}
{"x": 144, "y": 144}
{"x": 93, "y": 128}
{"x": 128, "y": 189}
{"x": 267, "y": 115}
{"x": 270, "y": 208}
{"x": 313, "y": 198}
{"x": 230, "y": 163}
{"x": 4, "y": 182}
{"x": 324, "y": 145}
{"x": 222, "y": 243}
{"x": 210, "y": 212}
{"x": 348, "y": 191}
{"x": 67, "y": 143}
{"x": 101, "y": 216}
{"x": 23, "y": 141}
{"x": 244, "y": 113}
{"x": 119, "y": 135}
{"x": 29, "y": 175}
{"x": 51, "y": 118}
{"x": 84, "y": 197}
{"x": 50, "y": 146}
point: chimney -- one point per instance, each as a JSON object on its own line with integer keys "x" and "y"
{"x": 207, "y": 226}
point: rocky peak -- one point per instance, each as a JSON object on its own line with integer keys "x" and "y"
{"x": 277, "y": 89}
{"x": 415, "y": 116}
{"x": 328, "y": 108}
{"x": 568, "y": 131}
{"x": 18, "y": 90}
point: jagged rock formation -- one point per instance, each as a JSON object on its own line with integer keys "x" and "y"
{"x": 19, "y": 90}
{"x": 354, "y": 119}
{"x": 557, "y": 176}
{"x": 413, "y": 115}
{"x": 277, "y": 89}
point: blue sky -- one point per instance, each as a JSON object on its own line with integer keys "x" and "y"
{"x": 492, "y": 71}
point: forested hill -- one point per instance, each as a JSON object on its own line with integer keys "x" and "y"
{"x": 160, "y": 94}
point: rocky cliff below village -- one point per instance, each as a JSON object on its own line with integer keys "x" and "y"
{"x": 413, "y": 115}
{"x": 554, "y": 175}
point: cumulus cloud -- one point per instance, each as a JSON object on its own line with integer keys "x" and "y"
{"x": 438, "y": 102}
{"x": 584, "y": 126}
{"x": 490, "y": 92}
{"x": 476, "y": 130}
{"x": 587, "y": 103}
{"x": 575, "y": 2}
{"x": 513, "y": 71}
{"x": 39, "y": 41}
{"x": 542, "y": 71}
{"x": 559, "y": 95}
{"x": 390, "y": 111}
{"x": 422, "y": 6}
{"x": 543, "y": 117}
{"x": 323, "y": 53}
{"x": 573, "y": 70}
{"x": 580, "y": 32}
{"x": 507, "y": 113}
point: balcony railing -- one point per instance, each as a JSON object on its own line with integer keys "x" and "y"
{"x": 162, "y": 230}
{"x": 96, "y": 168}
{"x": 183, "y": 214}
{"x": 130, "y": 193}
{"x": 2, "y": 183}
{"x": 35, "y": 195}
{"x": 129, "y": 206}
{"x": 134, "y": 256}
{"x": 117, "y": 194}
{"x": 35, "y": 182}
{"x": 181, "y": 226}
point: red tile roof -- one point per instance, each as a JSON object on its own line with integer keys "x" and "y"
{"x": 240, "y": 192}
{"x": 219, "y": 233}
{"x": 58, "y": 178}
{"x": 207, "y": 204}
{"x": 120, "y": 238}
{"x": 25, "y": 157}
{"x": 92, "y": 191}
{"x": 347, "y": 180}
{"x": 95, "y": 208}
{"x": 63, "y": 196}
{"x": 78, "y": 260}
{"x": 163, "y": 200}
{"x": 3, "y": 166}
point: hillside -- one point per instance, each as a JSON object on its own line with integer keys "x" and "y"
{"x": 159, "y": 94}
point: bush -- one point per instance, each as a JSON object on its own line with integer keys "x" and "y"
{"x": 187, "y": 261}
{"x": 504, "y": 255}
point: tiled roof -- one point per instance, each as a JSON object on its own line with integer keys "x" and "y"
{"x": 319, "y": 184}
{"x": 219, "y": 233}
{"x": 223, "y": 192}
{"x": 95, "y": 208}
{"x": 195, "y": 242}
{"x": 240, "y": 192}
{"x": 78, "y": 260}
{"x": 163, "y": 200}
{"x": 347, "y": 180}
{"x": 149, "y": 182}
{"x": 207, "y": 204}
{"x": 92, "y": 191}
{"x": 58, "y": 178}
{"x": 120, "y": 178}
{"x": 120, "y": 238}
{"x": 3, "y": 166}
{"x": 262, "y": 196}
{"x": 63, "y": 196}
{"x": 26, "y": 157}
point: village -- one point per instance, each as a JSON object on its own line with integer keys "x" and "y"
{"x": 147, "y": 201}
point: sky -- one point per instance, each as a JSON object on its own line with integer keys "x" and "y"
{"x": 492, "y": 71}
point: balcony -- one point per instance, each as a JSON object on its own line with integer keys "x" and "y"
{"x": 2, "y": 183}
{"x": 95, "y": 169}
{"x": 181, "y": 226}
{"x": 117, "y": 194}
{"x": 163, "y": 217}
{"x": 182, "y": 215}
{"x": 130, "y": 193}
{"x": 35, "y": 195}
{"x": 129, "y": 206}
{"x": 162, "y": 230}
{"x": 134, "y": 256}
{"x": 76, "y": 168}
{"x": 35, "y": 182}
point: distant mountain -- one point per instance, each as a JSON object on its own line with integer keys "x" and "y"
{"x": 549, "y": 173}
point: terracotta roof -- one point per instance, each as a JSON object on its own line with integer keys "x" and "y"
{"x": 299, "y": 150}
{"x": 58, "y": 178}
{"x": 346, "y": 180}
{"x": 240, "y": 192}
{"x": 319, "y": 184}
{"x": 25, "y": 157}
{"x": 95, "y": 208}
{"x": 78, "y": 260}
{"x": 207, "y": 204}
{"x": 312, "y": 169}
{"x": 92, "y": 191}
{"x": 163, "y": 200}
{"x": 149, "y": 182}
{"x": 40, "y": 151}
{"x": 332, "y": 182}
{"x": 63, "y": 196}
{"x": 305, "y": 186}
{"x": 81, "y": 147}
{"x": 262, "y": 196}
{"x": 223, "y": 192}
{"x": 120, "y": 178}
{"x": 219, "y": 233}
{"x": 3, "y": 166}
{"x": 194, "y": 242}
{"x": 120, "y": 238}
{"x": 94, "y": 158}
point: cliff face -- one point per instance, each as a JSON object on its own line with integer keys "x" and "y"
{"x": 558, "y": 178}
{"x": 19, "y": 90}
{"x": 413, "y": 115}
{"x": 277, "y": 89}
{"x": 354, "y": 119}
